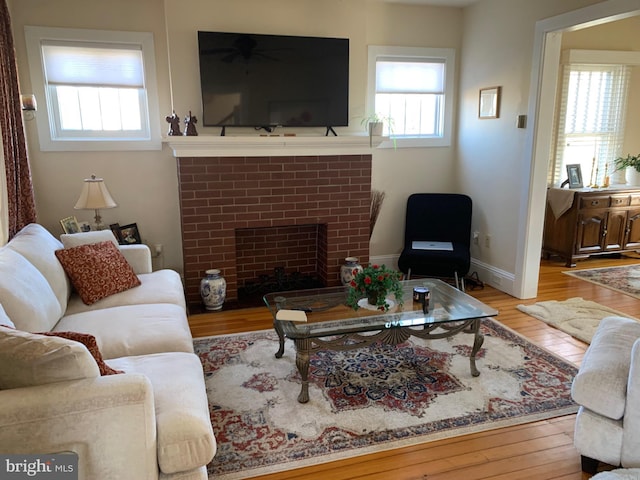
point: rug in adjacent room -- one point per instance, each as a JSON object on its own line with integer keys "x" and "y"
{"x": 577, "y": 317}
{"x": 625, "y": 279}
{"x": 370, "y": 399}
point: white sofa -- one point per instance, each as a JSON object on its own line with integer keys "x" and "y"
{"x": 152, "y": 421}
{"x": 607, "y": 388}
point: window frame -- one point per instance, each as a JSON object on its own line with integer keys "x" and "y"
{"x": 589, "y": 60}
{"x": 448, "y": 57}
{"x": 151, "y": 138}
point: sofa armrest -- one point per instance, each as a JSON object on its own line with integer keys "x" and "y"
{"x": 630, "y": 456}
{"x": 138, "y": 256}
{"x": 108, "y": 421}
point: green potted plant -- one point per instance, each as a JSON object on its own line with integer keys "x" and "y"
{"x": 632, "y": 164}
{"x": 375, "y": 283}
{"x": 374, "y": 124}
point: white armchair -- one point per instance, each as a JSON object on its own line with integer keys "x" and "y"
{"x": 607, "y": 388}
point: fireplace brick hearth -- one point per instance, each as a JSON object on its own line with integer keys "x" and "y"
{"x": 220, "y": 196}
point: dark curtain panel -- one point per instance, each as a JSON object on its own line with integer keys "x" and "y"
{"x": 21, "y": 205}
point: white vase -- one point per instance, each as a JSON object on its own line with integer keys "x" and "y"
{"x": 349, "y": 270}
{"x": 633, "y": 176}
{"x": 213, "y": 290}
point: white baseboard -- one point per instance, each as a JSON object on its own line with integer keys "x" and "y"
{"x": 498, "y": 279}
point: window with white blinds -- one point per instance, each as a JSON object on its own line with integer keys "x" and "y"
{"x": 99, "y": 88}
{"x": 591, "y": 121}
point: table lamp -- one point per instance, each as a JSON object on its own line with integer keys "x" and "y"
{"x": 95, "y": 196}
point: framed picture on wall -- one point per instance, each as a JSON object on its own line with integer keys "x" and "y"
{"x": 489, "y": 103}
{"x": 130, "y": 234}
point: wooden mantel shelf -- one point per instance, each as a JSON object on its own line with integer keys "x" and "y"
{"x": 254, "y": 146}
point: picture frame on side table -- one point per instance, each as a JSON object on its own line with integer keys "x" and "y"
{"x": 130, "y": 234}
{"x": 115, "y": 229}
{"x": 574, "y": 172}
{"x": 489, "y": 103}
{"x": 70, "y": 225}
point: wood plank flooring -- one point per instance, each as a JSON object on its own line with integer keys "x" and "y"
{"x": 540, "y": 450}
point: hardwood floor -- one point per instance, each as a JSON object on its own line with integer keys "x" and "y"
{"x": 540, "y": 450}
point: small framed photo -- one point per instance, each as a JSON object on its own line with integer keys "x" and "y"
{"x": 115, "y": 229}
{"x": 70, "y": 225}
{"x": 574, "y": 172}
{"x": 130, "y": 234}
{"x": 489, "y": 103}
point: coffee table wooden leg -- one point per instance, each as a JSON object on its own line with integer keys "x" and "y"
{"x": 478, "y": 340}
{"x": 302, "y": 362}
{"x": 280, "y": 333}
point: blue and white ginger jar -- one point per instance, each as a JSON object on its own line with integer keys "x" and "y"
{"x": 213, "y": 290}
{"x": 349, "y": 270}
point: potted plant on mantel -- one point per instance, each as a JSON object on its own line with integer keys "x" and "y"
{"x": 375, "y": 125}
{"x": 632, "y": 165}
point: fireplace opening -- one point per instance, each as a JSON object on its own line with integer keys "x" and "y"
{"x": 282, "y": 258}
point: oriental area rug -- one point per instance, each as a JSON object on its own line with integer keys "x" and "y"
{"x": 370, "y": 399}
{"x": 624, "y": 279}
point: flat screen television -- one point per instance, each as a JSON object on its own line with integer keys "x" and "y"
{"x": 254, "y": 80}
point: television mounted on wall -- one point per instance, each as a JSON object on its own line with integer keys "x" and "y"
{"x": 265, "y": 81}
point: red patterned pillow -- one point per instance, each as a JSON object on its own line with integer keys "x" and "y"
{"x": 97, "y": 270}
{"x": 88, "y": 341}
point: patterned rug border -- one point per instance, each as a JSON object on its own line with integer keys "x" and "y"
{"x": 576, "y": 274}
{"x": 416, "y": 440}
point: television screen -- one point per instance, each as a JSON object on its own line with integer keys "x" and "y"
{"x": 254, "y": 80}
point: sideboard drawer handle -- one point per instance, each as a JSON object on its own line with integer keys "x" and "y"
{"x": 594, "y": 202}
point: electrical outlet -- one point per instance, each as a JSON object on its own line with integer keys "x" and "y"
{"x": 157, "y": 248}
{"x": 487, "y": 240}
{"x": 476, "y": 237}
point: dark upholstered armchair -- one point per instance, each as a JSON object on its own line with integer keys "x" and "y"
{"x": 437, "y": 236}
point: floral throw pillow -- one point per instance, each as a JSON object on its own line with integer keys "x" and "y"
{"x": 88, "y": 341}
{"x": 97, "y": 270}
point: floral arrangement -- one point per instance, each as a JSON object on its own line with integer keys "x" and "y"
{"x": 375, "y": 282}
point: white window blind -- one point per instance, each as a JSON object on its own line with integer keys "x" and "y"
{"x": 93, "y": 65}
{"x": 591, "y": 121}
{"x": 409, "y": 76}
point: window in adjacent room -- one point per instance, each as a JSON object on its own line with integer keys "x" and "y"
{"x": 99, "y": 89}
{"x": 591, "y": 119}
{"x": 413, "y": 87}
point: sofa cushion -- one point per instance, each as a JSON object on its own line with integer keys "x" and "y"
{"x": 601, "y": 382}
{"x": 25, "y": 294}
{"x": 185, "y": 436}
{"x": 97, "y": 270}
{"x": 161, "y": 286}
{"x": 28, "y": 359}
{"x": 38, "y": 246}
{"x": 70, "y": 240}
{"x": 134, "y": 329}
{"x": 88, "y": 341}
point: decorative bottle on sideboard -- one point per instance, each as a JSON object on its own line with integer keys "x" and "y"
{"x": 213, "y": 290}
{"x": 349, "y": 270}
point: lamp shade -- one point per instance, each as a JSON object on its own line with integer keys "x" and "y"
{"x": 94, "y": 195}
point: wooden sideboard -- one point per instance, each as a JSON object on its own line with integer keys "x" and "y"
{"x": 598, "y": 222}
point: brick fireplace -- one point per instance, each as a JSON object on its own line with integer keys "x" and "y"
{"x": 245, "y": 214}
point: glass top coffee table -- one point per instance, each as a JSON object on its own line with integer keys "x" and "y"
{"x": 332, "y": 325}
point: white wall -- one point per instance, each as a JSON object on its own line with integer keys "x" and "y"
{"x": 493, "y": 164}
{"x": 144, "y": 184}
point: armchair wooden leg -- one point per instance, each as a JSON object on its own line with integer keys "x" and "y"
{"x": 589, "y": 465}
